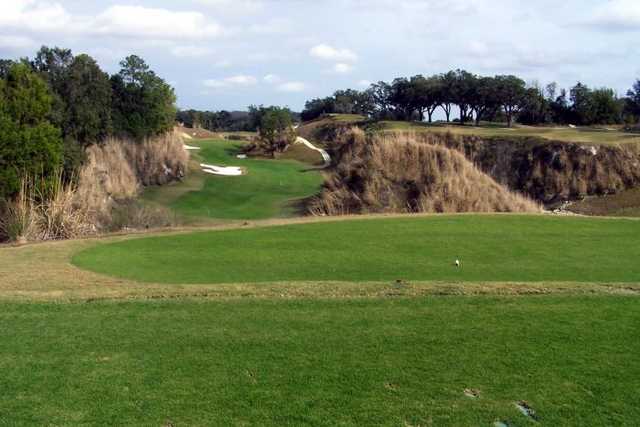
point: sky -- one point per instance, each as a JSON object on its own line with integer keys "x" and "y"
{"x": 228, "y": 54}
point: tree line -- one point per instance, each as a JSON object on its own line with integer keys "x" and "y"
{"x": 502, "y": 98}
{"x": 227, "y": 121}
{"x": 55, "y": 105}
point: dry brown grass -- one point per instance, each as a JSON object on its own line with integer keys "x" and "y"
{"x": 102, "y": 196}
{"x": 115, "y": 172}
{"x": 45, "y": 211}
{"x": 159, "y": 160}
{"x": 394, "y": 173}
{"x": 18, "y": 216}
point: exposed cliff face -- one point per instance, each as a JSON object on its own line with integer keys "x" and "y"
{"x": 385, "y": 174}
{"x": 549, "y": 171}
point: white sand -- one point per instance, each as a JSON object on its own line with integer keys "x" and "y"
{"x": 325, "y": 156}
{"x": 222, "y": 170}
{"x": 189, "y": 147}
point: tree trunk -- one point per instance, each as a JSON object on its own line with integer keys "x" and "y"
{"x": 447, "y": 112}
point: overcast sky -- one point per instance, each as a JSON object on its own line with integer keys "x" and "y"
{"x": 227, "y": 54}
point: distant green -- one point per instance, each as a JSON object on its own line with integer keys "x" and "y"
{"x": 270, "y": 189}
{"x": 490, "y": 248}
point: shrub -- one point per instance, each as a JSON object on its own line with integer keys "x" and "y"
{"x": 276, "y": 129}
{"x": 29, "y": 144}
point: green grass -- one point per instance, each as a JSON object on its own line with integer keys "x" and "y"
{"x": 304, "y": 154}
{"x": 391, "y": 362}
{"x": 491, "y": 248}
{"x": 268, "y": 190}
{"x": 587, "y": 135}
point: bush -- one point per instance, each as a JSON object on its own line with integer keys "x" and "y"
{"x": 276, "y": 129}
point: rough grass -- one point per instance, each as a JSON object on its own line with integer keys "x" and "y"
{"x": 587, "y": 135}
{"x": 491, "y": 248}
{"x": 319, "y": 362}
{"x": 269, "y": 189}
{"x": 303, "y": 154}
{"x": 395, "y": 173}
{"x": 45, "y": 210}
{"x": 623, "y": 204}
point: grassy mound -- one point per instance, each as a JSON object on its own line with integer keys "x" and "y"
{"x": 268, "y": 189}
{"x": 395, "y": 174}
{"x": 584, "y": 135}
{"x": 319, "y": 362}
{"x": 491, "y": 248}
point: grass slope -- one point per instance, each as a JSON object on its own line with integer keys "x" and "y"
{"x": 625, "y": 203}
{"x": 313, "y": 362}
{"x": 267, "y": 191}
{"x": 492, "y": 248}
{"x": 586, "y": 135}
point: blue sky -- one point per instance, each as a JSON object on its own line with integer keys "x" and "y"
{"x": 227, "y": 54}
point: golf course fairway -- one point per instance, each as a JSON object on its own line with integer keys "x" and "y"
{"x": 491, "y": 248}
{"x": 268, "y": 189}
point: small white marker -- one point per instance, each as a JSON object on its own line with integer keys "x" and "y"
{"x": 458, "y": 263}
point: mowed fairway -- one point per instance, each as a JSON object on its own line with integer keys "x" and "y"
{"x": 492, "y": 248}
{"x": 268, "y": 190}
{"x": 392, "y": 362}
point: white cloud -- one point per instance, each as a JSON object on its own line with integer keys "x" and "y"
{"x": 234, "y": 6}
{"x": 364, "y": 83}
{"x": 342, "y": 68}
{"x": 117, "y": 20}
{"x": 190, "y": 51}
{"x": 233, "y": 81}
{"x": 34, "y": 15}
{"x": 272, "y": 79}
{"x": 292, "y": 87}
{"x": 617, "y": 15}
{"x": 16, "y": 42}
{"x": 329, "y": 53}
{"x": 163, "y": 24}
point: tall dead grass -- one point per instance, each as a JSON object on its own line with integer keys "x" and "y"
{"x": 116, "y": 171}
{"x": 102, "y": 198}
{"x": 45, "y": 210}
{"x": 394, "y": 173}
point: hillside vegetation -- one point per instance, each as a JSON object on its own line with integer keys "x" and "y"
{"x": 390, "y": 173}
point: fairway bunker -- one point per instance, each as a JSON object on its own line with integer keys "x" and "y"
{"x": 222, "y": 170}
{"x": 527, "y": 410}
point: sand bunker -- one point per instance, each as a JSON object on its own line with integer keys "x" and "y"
{"x": 325, "y": 156}
{"x": 222, "y": 170}
{"x": 190, "y": 147}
